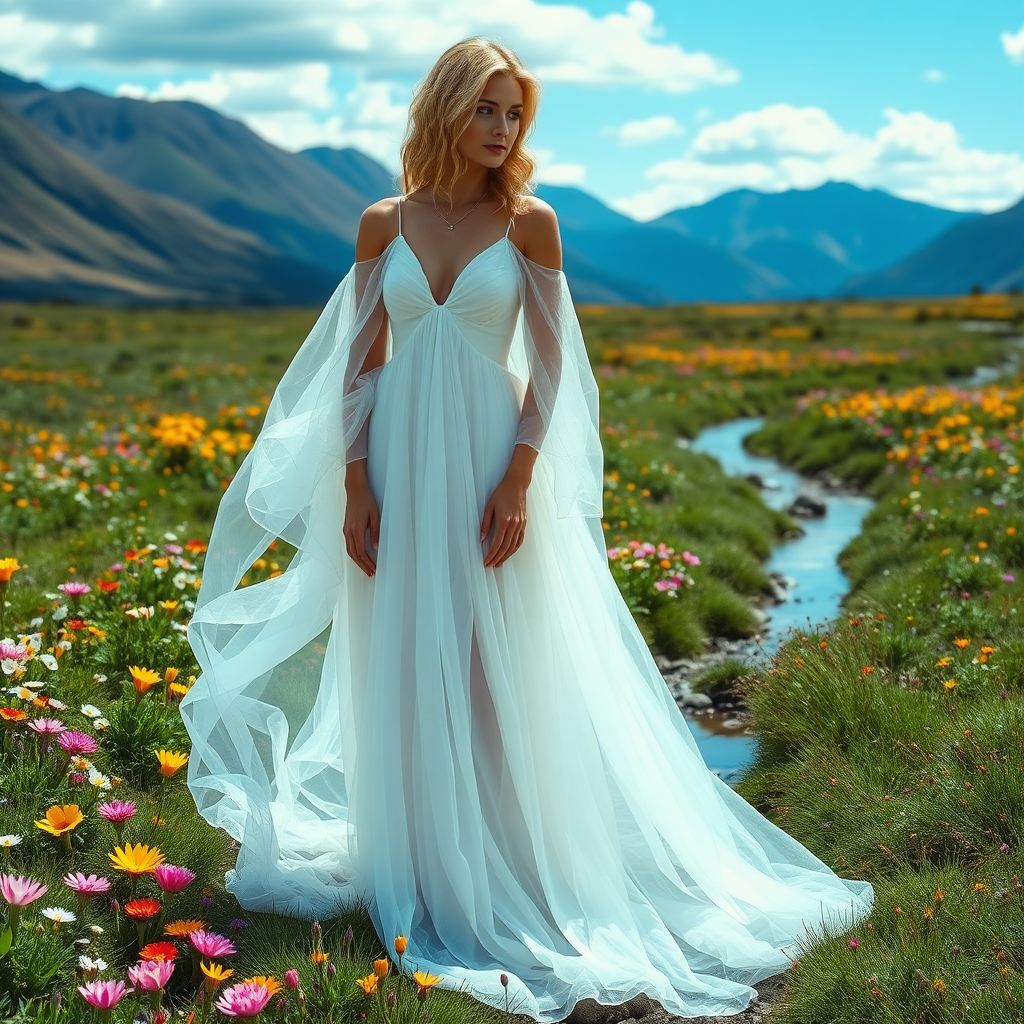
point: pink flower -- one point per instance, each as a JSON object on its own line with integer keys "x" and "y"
{"x": 854, "y": 943}
{"x": 78, "y": 742}
{"x": 104, "y": 995}
{"x": 12, "y": 652}
{"x": 86, "y": 887}
{"x": 117, "y": 811}
{"x": 151, "y": 975}
{"x": 247, "y": 999}
{"x": 75, "y": 588}
{"x": 690, "y": 559}
{"x": 211, "y": 944}
{"x": 291, "y": 978}
{"x": 1009, "y": 577}
{"x": 20, "y": 890}
{"x": 173, "y": 879}
{"x": 47, "y": 726}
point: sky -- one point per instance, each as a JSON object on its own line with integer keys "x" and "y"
{"x": 650, "y": 105}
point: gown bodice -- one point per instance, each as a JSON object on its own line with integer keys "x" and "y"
{"x": 483, "y": 304}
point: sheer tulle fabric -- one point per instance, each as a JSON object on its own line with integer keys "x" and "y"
{"x": 487, "y": 758}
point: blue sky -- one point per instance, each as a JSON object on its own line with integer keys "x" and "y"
{"x": 650, "y": 105}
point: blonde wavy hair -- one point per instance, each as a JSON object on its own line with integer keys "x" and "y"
{"x": 443, "y": 105}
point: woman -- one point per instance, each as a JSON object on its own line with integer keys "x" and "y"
{"x": 443, "y": 710}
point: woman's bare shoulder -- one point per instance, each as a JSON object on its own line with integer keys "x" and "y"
{"x": 378, "y": 226}
{"x": 536, "y": 233}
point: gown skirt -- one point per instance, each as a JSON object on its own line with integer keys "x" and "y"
{"x": 485, "y": 758}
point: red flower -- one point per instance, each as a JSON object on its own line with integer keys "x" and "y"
{"x": 76, "y": 624}
{"x": 108, "y": 586}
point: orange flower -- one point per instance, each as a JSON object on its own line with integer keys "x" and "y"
{"x": 108, "y": 586}
{"x": 961, "y": 643}
{"x": 143, "y": 678}
{"x": 170, "y": 675}
{"x": 318, "y": 956}
{"x": 400, "y": 944}
{"x": 368, "y": 984}
{"x": 425, "y": 981}
{"x": 13, "y": 715}
{"x": 380, "y": 967}
{"x": 60, "y": 819}
{"x": 158, "y": 951}
{"x": 271, "y": 984}
{"x": 142, "y": 909}
{"x": 180, "y": 929}
{"x": 170, "y": 762}
{"x": 8, "y": 566}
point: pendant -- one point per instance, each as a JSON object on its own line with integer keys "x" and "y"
{"x": 451, "y": 227}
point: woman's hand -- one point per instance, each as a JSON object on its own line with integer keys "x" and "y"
{"x": 360, "y": 512}
{"x": 506, "y": 510}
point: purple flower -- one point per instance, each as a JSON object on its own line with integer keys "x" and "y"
{"x": 236, "y": 924}
{"x": 1008, "y": 577}
{"x": 206, "y": 902}
{"x": 77, "y": 779}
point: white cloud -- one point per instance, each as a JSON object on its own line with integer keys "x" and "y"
{"x": 934, "y": 75}
{"x": 780, "y": 147}
{"x": 651, "y": 129}
{"x": 23, "y": 45}
{"x": 562, "y": 42}
{"x": 1013, "y": 45}
{"x": 562, "y": 174}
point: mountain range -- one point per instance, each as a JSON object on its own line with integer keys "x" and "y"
{"x": 112, "y": 199}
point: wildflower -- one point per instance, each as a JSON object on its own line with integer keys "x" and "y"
{"x": 236, "y": 924}
{"x": 211, "y": 944}
{"x": 854, "y": 943}
{"x": 961, "y": 643}
{"x": 939, "y": 985}
{"x": 400, "y": 944}
{"x": 12, "y": 716}
{"x": 151, "y": 975}
{"x": 291, "y": 978}
{"x": 425, "y": 981}
{"x": 60, "y": 821}
{"x": 74, "y": 742}
{"x": 9, "y": 842}
{"x": 368, "y": 984}
{"x": 75, "y": 588}
{"x": 215, "y": 974}
{"x": 104, "y": 995}
{"x": 142, "y": 679}
{"x": 108, "y": 586}
{"x": 158, "y": 951}
{"x": 181, "y": 929}
{"x": 271, "y": 984}
{"x": 949, "y": 684}
{"x": 8, "y": 566}
{"x": 979, "y": 887}
{"x": 319, "y": 956}
{"x": 173, "y": 879}
{"x": 86, "y": 887}
{"x": 89, "y": 967}
{"x": 943, "y": 662}
{"x": 245, "y": 999}
{"x": 59, "y": 916}
{"x": 142, "y": 909}
{"x": 135, "y": 860}
{"x": 170, "y": 762}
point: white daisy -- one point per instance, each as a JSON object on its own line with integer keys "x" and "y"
{"x": 98, "y": 779}
{"x": 58, "y": 915}
{"x": 90, "y": 966}
{"x": 91, "y": 711}
{"x": 98, "y": 678}
{"x": 6, "y": 842}
{"x": 100, "y": 724}
{"x": 49, "y": 661}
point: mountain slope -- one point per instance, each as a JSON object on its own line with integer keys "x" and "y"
{"x": 987, "y": 250}
{"x": 66, "y": 228}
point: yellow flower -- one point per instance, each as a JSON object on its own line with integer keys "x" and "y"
{"x": 979, "y": 887}
{"x": 949, "y": 684}
{"x": 60, "y": 819}
{"x": 143, "y": 678}
{"x": 927, "y": 911}
{"x": 943, "y": 662}
{"x": 368, "y": 984}
{"x": 135, "y": 860}
{"x": 961, "y": 643}
{"x": 939, "y": 895}
{"x": 8, "y": 566}
{"x": 380, "y": 967}
{"x": 271, "y": 984}
{"x": 178, "y": 689}
{"x": 318, "y": 956}
{"x": 215, "y": 973}
{"x": 939, "y": 985}
{"x": 171, "y": 674}
{"x": 426, "y": 980}
{"x": 170, "y": 762}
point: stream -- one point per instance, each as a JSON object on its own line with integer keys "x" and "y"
{"x": 815, "y": 585}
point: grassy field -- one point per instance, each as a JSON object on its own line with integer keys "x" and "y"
{"x": 891, "y": 745}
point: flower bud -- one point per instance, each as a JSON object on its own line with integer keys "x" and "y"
{"x": 291, "y": 978}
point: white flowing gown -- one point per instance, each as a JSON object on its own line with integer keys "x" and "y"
{"x": 486, "y": 757}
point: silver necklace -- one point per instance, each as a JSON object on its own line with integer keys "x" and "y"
{"x": 451, "y": 226}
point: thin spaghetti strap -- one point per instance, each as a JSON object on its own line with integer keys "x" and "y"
{"x": 509, "y": 228}
{"x": 400, "y": 198}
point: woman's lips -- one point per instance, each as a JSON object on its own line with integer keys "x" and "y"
{"x": 495, "y": 149}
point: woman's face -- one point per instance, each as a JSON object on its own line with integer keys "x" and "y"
{"x": 495, "y": 125}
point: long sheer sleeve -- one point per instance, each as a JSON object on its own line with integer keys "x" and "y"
{"x": 560, "y": 408}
